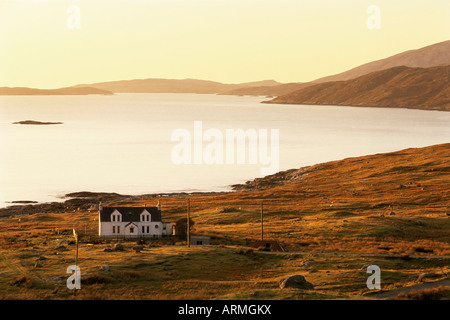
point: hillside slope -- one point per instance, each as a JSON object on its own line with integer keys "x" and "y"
{"x": 434, "y": 55}
{"x": 398, "y": 87}
{"x": 430, "y": 56}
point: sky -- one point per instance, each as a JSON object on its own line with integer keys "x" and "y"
{"x": 47, "y": 44}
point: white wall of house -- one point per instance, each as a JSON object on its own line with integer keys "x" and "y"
{"x": 145, "y": 228}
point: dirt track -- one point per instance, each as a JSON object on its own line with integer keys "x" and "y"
{"x": 422, "y": 286}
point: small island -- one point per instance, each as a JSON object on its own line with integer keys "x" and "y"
{"x": 34, "y": 122}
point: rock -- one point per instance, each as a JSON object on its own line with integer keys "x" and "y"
{"x": 104, "y": 268}
{"x": 392, "y": 213}
{"x": 138, "y": 248}
{"x": 297, "y": 282}
{"x": 107, "y": 250}
{"x": 118, "y": 247}
{"x": 38, "y": 265}
{"x": 313, "y": 271}
{"x": 53, "y": 279}
{"x": 304, "y": 263}
{"x": 61, "y": 248}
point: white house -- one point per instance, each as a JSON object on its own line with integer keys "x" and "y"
{"x": 132, "y": 222}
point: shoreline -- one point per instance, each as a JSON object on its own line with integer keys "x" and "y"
{"x": 88, "y": 201}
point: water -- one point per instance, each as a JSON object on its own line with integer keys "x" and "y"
{"x": 122, "y": 143}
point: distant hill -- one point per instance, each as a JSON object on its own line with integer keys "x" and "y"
{"x": 431, "y": 56}
{"x": 398, "y": 87}
{"x": 61, "y": 91}
{"x": 174, "y": 86}
{"x": 267, "y": 90}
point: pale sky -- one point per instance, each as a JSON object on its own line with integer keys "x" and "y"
{"x": 228, "y": 41}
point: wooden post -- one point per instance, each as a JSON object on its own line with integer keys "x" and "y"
{"x": 262, "y": 221}
{"x": 76, "y": 261}
{"x": 188, "y": 238}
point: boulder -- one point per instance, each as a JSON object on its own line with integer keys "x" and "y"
{"x": 118, "y": 247}
{"x": 138, "y": 248}
{"x": 297, "y": 282}
{"x": 104, "y": 268}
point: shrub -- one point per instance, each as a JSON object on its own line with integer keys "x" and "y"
{"x": 93, "y": 279}
{"x": 22, "y": 281}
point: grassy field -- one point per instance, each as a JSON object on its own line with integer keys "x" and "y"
{"x": 338, "y": 217}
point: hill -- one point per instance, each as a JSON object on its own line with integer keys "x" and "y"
{"x": 398, "y": 87}
{"x": 334, "y": 218}
{"x": 174, "y": 86}
{"x": 268, "y": 91}
{"x": 430, "y": 56}
{"x": 61, "y": 91}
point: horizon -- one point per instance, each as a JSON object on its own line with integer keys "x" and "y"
{"x": 228, "y": 42}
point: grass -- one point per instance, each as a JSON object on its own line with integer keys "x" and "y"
{"x": 333, "y": 223}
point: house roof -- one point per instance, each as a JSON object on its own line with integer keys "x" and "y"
{"x": 130, "y": 214}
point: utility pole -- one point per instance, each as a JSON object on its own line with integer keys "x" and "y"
{"x": 188, "y": 239}
{"x": 262, "y": 221}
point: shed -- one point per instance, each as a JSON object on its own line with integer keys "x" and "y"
{"x": 200, "y": 240}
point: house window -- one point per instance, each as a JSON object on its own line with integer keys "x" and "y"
{"x": 114, "y": 229}
{"x": 131, "y": 230}
{"x": 156, "y": 227}
{"x": 164, "y": 227}
{"x": 148, "y": 229}
{"x": 199, "y": 242}
{"x": 113, "y": 218}
{"x": 118, "y": 229}
{"x": 143, "y": 229}
{"x": 148, "y": 218}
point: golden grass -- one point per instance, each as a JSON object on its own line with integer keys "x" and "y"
{"x": 329, "y": 221}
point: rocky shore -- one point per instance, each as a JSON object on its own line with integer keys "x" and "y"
{"x": 84, "y": 201}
